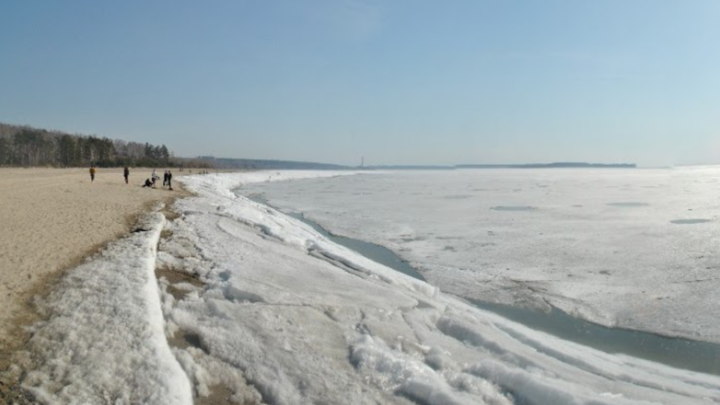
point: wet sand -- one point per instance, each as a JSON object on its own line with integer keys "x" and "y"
{"x": 50, "y": 219}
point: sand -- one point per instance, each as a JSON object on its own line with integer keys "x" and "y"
{"x": 50, "y": 219}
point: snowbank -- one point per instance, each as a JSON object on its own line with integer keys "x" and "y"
{"x": 104, "y": 341}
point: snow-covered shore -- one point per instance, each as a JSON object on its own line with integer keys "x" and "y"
{"x": 104, "y": 341}
{"x": 283, "y": 316}
{"x": 49, "y": 220}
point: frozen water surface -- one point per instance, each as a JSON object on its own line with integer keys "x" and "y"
{"x": 677, "y": 352}
{"x": 308, "y": 321}
{"x": 280, "y": 314}
{"x": 624, "y": 248}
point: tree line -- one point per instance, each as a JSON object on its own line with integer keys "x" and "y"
{"x": 27, "y": 146}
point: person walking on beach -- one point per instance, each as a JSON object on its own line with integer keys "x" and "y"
{"x": 154, "y": 177}
{"x": 165, "y": 178}
{"x": 169, "y": 180}
{"x": 92, "y": 173}
{"x": 126, "y": 174}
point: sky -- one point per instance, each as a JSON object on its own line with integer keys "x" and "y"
{"x": 393, "y": 81}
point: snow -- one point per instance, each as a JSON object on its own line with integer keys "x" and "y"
{"x": 306, "y": 321}
{"x": 624, "y": 248}
{"x": 273, "y": 312}
{"x": 104, "y": 341}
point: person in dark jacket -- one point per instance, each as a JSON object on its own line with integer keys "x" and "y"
{"x": 126, "y": 174}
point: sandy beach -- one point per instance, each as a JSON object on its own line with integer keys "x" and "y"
{"x": 53, "y": 218}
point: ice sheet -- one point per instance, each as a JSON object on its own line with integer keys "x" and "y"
{"x": 624, "y": 248}
{"x": 301, "y": 320}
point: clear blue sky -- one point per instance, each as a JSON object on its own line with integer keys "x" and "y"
{"x": 396, "y": 81}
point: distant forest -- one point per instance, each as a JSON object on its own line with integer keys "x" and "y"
{"x": 27, "y": 146}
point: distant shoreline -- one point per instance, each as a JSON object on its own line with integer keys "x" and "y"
{"x": 263, "y": 164}
{"x": 571, "y": 165}
{"x": 557, "y": 165}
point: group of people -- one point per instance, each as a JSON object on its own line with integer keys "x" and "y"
{"x": 167, "y": 180}
{"x": 167, "y": 177}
